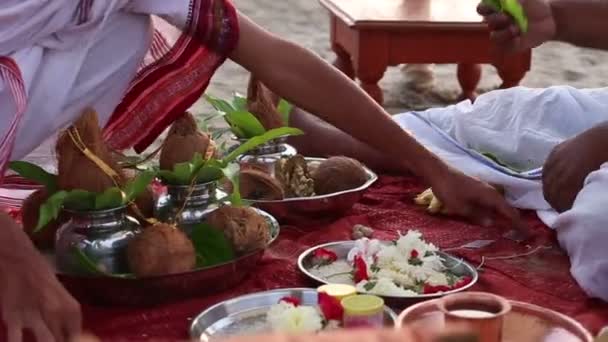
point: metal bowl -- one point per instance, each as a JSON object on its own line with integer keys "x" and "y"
{"x": 458, "y": 266}
{"x": 246, "y": 314}
{"x": 156, "y": 290}
{"x": 329, "y": 205}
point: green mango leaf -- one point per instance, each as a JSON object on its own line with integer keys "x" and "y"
{"x": 36, "y": 174}
{"x": 516, "y": 10}
{"x": 90, "y": 266}
{"x": 245, "y": 122}
{"x": 211, "y": 246}
{"x": 183, "y": 173}
{"x": 284, "y": 108}
{"x": 260, "y": 140}
{"x": 232, "y": 172}
{"x": 80, "y": 200}
{"x": 138, "y": 185}
{"x": 239, "y": 102}
{"x": 50, "y": 210}
{"x": 168, "y": 177}
{"x": 109, "y": 199}
{"x": 209, "y": 174}
{"x": 219, "y": 104}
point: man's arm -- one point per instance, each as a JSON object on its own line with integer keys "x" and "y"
{"x": 312, "y": 84}
{"x": 579, "y": 22}
{"x": 582, "y": 23}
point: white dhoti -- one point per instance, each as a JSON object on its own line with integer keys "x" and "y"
{"x": 520, "y": 127}
{"x": 59, "y": 57}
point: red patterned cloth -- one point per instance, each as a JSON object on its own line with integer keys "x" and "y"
{"x": 541, "y": 278}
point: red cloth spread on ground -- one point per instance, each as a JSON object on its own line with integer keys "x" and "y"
{"x": 540, "y": 278}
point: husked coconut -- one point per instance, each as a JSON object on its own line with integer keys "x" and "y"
{"x": 258, "y": 185}
{"x": 244, "y": 227}
{"x": 159, "y": 250}
{"x": 338, "y": 174}
{"x": 75, "y": 170}
{"x": 183, "y": 141}
{"x": 262, "y": 103}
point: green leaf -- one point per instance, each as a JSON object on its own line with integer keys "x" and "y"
{"x": 89, "y": 266}
{"x": 138, "y": 185}
{"x": 80, "y": 200}
{"x": 245, "y": 122}
{"x": 168, "y": 176}
{"x": 284, "y": 108}
{"x": 183, "y": 173}
{"x": 36, "y": 174}
{"x": 209, "y": 174}
{"x": 211, "y": 245}
{"x": 219, "y": 104}
{"x": 515, "y": 9}
{"x": 369, "y": 286}
{"x": 231, "y": 172}
{"x": 239, "y": 102}
{"x": 111, "y": 198}
{"x": 260, "y": 140}
{"x": 50, "y": 209}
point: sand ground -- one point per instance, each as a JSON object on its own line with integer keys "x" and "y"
{"x": 307, "y": 23}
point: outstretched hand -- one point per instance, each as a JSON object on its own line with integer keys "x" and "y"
{"x": 475, "y": 200}
{"x": 507, "y": 35}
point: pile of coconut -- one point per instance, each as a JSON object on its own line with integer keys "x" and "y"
{"x": 295, "y": 177}
{"x": 159, "y": 248}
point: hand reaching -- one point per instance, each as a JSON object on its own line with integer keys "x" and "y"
{"x": 506, "y": 34}
{"x": 31, "y": 296}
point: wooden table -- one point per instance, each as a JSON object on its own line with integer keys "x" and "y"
{"x": 370, "y": 35}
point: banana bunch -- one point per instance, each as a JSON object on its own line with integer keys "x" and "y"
{"x": 428, "y": 199}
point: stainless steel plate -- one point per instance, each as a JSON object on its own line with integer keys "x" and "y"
{"x": 458, "y": 266}
{"x": 297, "y": 207}
{"x": 247, "y": 314}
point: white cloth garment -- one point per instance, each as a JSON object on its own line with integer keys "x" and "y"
{"x": 520, "y": 127}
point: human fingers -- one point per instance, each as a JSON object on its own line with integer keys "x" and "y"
{"x": 485, "y": 10}
{"x": 39, "y": 328}
{"x": 505, "y": 35}
{"x": 494, "y": 203}
{"x": 14, "y": 329}
{"x": 72, "y": 325}
{"x": 498, "y": 21}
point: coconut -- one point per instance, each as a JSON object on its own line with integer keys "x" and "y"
{"x": 159, "y": 250}
{"x": 244, "y": 227}
{"x": 183, "y": 141}
{"x": 30, "y": 211}
{"x": 77, "y": 171}
{"x": 258, "y": 185}
{"x": 145, "y": 201}
{"x": 338, "y": 174}
{"x": 262, "y": 103}
{"x": 294, "y": 176}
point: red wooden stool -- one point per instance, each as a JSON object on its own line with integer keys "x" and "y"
{"x": 370, "y": 35}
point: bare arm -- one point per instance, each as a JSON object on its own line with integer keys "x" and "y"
{"x": 325, "y": 140}
{"x": 583, "y": 23}
{"x": 315, "y": 86}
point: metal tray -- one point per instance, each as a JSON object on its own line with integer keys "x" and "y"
{"x": 525, "y": 322}
{"x": 458, "y": 266}
{"x": 246, "y": 314}
{"x": 330, "y": 205}
{"x": 156, "y": 290}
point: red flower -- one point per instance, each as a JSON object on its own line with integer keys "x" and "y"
{"x": 291, "y": 300}
{"x": 360, "y": 269}
{"x": 414, "y": 254}
{"x": 429, "y": 289}
{"x": 323, "y": 256}
{"x": 330, "y": 307}
{"x": 466, "y": 280}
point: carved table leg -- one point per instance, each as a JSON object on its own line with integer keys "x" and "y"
{"x": 371, "y": 61}
{"x": 468, "y": 77}
{"x": 369, "y": 83}
{"x": 513, "y": 69}
{"x": 343, "y": 61}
